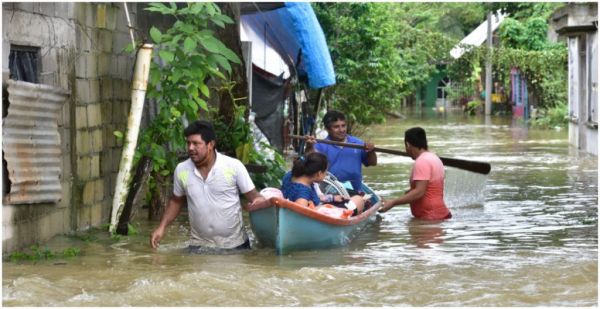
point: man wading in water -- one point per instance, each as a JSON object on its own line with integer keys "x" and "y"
{"x": 210, "y": 183}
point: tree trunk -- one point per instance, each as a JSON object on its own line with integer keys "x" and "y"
{"x": 160, "y": 197}
{"x": 140, "y": 178}
{"x": 230, "y": 36}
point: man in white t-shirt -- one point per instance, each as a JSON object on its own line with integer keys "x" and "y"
{"x": 211, "y": 184}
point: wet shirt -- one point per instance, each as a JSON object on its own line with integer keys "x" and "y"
{"x": 431, "y": 206}
{"x": 345, "y": 163}
{"x": 214, "y": 208}
{"x": 293, "y": 190}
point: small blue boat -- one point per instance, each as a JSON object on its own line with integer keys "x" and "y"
{"x": 287, "y": 226}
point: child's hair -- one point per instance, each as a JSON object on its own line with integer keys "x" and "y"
{"x": 309, "y": 165}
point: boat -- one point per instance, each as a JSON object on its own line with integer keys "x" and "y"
{"x": 288, "y": 226}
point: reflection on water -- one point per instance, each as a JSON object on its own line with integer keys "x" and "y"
{"x": 524, "y": 235}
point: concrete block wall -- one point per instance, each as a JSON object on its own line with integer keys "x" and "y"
{"x": 102, "y": 104}
{"x": 39, "y": 25}
{"x": 81, "y": 47}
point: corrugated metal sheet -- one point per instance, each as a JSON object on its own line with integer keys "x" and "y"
{"x": 31, "y": 142}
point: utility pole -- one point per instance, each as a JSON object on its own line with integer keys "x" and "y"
{"x": 488, "y": 67}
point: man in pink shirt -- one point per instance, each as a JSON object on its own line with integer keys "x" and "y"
{"x": 426, "y": 194}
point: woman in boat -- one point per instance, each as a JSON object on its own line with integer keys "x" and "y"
{"x": 299, "y": 184}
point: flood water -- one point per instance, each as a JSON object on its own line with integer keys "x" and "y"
{"x": 525, "y": 235}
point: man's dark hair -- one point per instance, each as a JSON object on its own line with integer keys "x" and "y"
{"x": 416, "y": 137}
{"x": 332, "y": 116}
{"x": 202, "y": 127}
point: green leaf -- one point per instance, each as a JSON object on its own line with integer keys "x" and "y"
{"x": 218, "y": 23}
{"x": 166, "y": 56}
{"x": 230, "y": 55}
{"x": 156, "y": 35}
{"x": 201, "y": 103}
{"x": 118, "y": 134}
{"x": 130, "y": 48}
{"x": 204, "y": 90}
{"x": 158, "y": 7}
{"x": 212, "y": 44}
{"x": 189, "y": 44}
{"x": 223, "y": 62}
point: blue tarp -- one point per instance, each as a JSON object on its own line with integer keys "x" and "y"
{"x": 291, "y": 29}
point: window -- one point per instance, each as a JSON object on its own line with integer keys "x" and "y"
{"x": 24, "y": 63}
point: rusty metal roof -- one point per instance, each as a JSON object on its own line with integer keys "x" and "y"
{"x": 31, "y": 142}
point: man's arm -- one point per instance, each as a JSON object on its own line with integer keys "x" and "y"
{"x": 410, "y": 196}
{"x": 173, "y": 209}
{"x": 371, "y": 154}
{"x": 255, "y": 200}
{"x": 310, "y": 144}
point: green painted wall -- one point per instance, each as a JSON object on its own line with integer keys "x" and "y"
{"x": 428, "y": 93}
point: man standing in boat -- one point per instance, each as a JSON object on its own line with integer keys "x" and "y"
{"x": 344, "y": 163}
{"x": 426, "y": 194}
{"x": 211, "y": 184}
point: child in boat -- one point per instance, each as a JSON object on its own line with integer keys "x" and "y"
{"x": 299, "y": 184}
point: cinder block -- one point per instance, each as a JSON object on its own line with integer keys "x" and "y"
{"x": 64, "y": 117}
{"x": 90, "y": 14}
{"x": 101, "y": 15}
{"x": 81, "y": 120}
{"x": 61, "y": 9}
{"x": 57, "y": 224}
{"x": 103, "y": 64}
{"x": 120, "y": 42}
{"x": 50, "y": 60}
{"x": 83, "y": 167}
{"x": 105, "y": 40}
{"x": 122, "y": 66}
{"x": 95, "y": 166}
{"x": 122, "y": 19}
{"x": 97, "y": 139}
{"x": 94, "y": 95}
{"x": 105, "y": 160}
{"x": 88, "y": 193}
{"x": 116, "y": 159}
{"x": 25, "y": 6}
{"x": 82, "y": 141}
{"x": 94, "y": 115}
{"x": 63, "y": 82}
{"x": 83, "y": 220}
{"x": 48, "y": 78}
{"x": 111, "y": 17}
{"x": 96, "y": 214}
{"x": 84, "y": 38}
{"x": 47, "y": 8}
{"x": 43, "y": 226}
{"x": 80, "y": 66}
{"x": 99, "y": 190}
{"x": 91, "y": 65}
{"x": 106, "y": 89}
{"x": 65, "y": 141}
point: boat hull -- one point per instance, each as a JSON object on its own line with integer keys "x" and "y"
{"x": 287, "y": 226}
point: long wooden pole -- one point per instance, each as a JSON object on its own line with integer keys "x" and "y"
{"x": 472, "y": 166}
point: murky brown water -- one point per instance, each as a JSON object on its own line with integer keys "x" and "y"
{"x": 525, "y": 236}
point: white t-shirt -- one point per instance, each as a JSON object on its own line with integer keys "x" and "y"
{"x": 214, "y": 207}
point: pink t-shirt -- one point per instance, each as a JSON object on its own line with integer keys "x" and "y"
{"x": 431, "y": 206}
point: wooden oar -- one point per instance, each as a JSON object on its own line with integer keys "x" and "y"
{"x": 472, "y": 166}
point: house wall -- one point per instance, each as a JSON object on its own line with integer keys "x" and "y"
{"x": 81, "y": 47}
{"x": 577, "y": 24}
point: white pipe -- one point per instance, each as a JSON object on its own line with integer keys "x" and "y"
{"x": 138, "y": 94}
